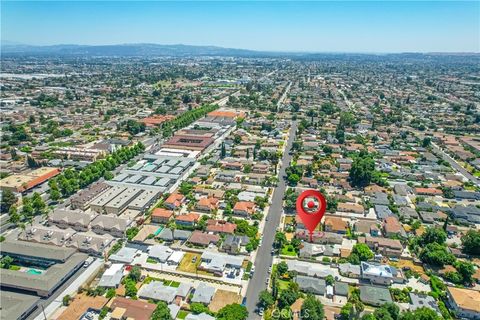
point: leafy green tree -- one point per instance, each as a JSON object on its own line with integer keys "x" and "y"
{"x": 436, "y": 254}
{"x": 471, "y": 242}
{"x": 232, "y": 311}
{"x": 13, "y": 215}
{"x": 282, "y": 268}
{"x": 362, "y": 169}
{"x": 426, "y": 142}
{"x": 330, "y": 280}
{"x": 360, "y": 252}
{"x": 223, "y": 151}
{"x": 110, "y": 293}
{"x": 198, "y": 308}
{"x": 466, "y": 271}
{"x": 66, "y": 300}
{"x": 6, "y": 262}
{"x": 161, "y": 312}
{"x": 8, "y": 200}
{"x": 287, "y": 298}
{"x": 420, "y": 314}
{"x": 280, "y": 239}
{"x": 433, "y": 235}
{"x": 312, "y": 308}
{"x": 135, "y": 273}
{"x": 266, "y": 299}
{"x": 130, "y": 288}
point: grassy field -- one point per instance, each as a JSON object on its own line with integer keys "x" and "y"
{"x": 187, "y": 265}
{"x": 182, "y": 314}
{"x": 288, "y": 250}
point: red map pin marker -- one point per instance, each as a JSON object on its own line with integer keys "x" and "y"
{"x": 311, "y": 207}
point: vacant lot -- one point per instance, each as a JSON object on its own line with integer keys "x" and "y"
{"x": 187, "y": 265}
{"x": 222, "y": 298}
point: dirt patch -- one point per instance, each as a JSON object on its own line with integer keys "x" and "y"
{"x": 222, "y": 298}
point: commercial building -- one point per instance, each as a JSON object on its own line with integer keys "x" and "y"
{"x": 16, "y": 305}
{"x": 82, "y": 199}
{"x": 82, "y": 154}
{"x": 57, "y": 264}
{"x": 189, "y": 142}
{"x": 27, "y": 181}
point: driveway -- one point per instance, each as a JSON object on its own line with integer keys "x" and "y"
{"x": 264, "y": 258}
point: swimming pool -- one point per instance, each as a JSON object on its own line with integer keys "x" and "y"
{"x": 33, "y": 271}
{"x": 158, "y": 231}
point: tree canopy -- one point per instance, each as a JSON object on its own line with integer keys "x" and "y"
{"x": 232, "y": 311}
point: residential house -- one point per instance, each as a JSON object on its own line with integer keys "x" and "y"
{"x": 203, "y": 293}
{"x": 233, "y": 243}
{"x": 160, "y": 215}
{"x": 392, "y": 227}
{"x": 220, "y": 226}
{"x": 174, "y": 201}
{"x": 244, "y": 208}
{"x": 335, "y": 225}
{"x": 207, "y": 204}
{"x": 311, "y": 284}
{"x": 465, "y": 302}
{"x": 384, "y": 246}
{"x": 188, "y": 220}
{"x": 203, "y": 239}
{"x": 375, "y": 296}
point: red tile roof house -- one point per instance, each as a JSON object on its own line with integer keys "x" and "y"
{"x": 244, "y": 208}
{"x": 203, "y": 239}
{"x": 220, "y": 226}
{"x": 188, "y": 220}
{"x": 174, "y": 201}
{"x": 207, "y": 204}
{"x": 428, "y": 191}
{"x": 160, "y": 215}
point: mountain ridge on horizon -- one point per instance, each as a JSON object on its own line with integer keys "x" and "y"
{"x": 154, "y": 49}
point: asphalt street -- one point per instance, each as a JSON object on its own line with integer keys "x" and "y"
{"x": 455, "y": 164}
{"x": 264, "y": 257}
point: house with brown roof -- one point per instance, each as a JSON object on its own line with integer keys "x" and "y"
{"x": 244, "y": 208}
{"x": 188, "y": 220}
{"x": 203, "y": 239}
{"x": 392, "y": 227}
{"x": 336, "y": 225}
{"x": 207, "y": 204}
{"x": 384, "y": 246}
{"x": 428, "y": 191}
{"x": 233, "y": 166}
{"x": 220, "y": 226}
{"x": 350, "y": 207}
{"x": 174, "y": 201}
{"x": 367, "y": 227}
{"x": 160, "y": 215}
{"x": 134, "y": 309}
{"x": 465, "y": 302}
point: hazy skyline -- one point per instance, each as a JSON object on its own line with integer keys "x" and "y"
{"x": 338, "y": 26}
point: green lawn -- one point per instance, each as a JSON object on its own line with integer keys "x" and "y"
{"x": 182, "y": 314}
{"x": 288, "y": 250}
{"x": 283, "y": 285}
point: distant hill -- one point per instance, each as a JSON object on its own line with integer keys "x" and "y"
{"x": 146, "y": 49}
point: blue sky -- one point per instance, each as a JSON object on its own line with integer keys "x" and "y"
{"x": 321, "y": 26}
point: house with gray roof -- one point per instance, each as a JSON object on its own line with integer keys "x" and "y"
{"x": 167, "y": 235}
{"x": 311, "y": 285}
{"x": 203, "y": 293}
{"x": 341, "y": 288}
{"x": 159, "y": 253}
{"x": 375, "y": 296}
{"x": 157, "y": 291}
{"x": 124, "y": 255}
{"x": 112, "y": 277}
{"x": 201, "y": 316}
{"x": 382, "y": 211}
{"x": 349, "y": 270}
{"x": 419, "y": 300}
